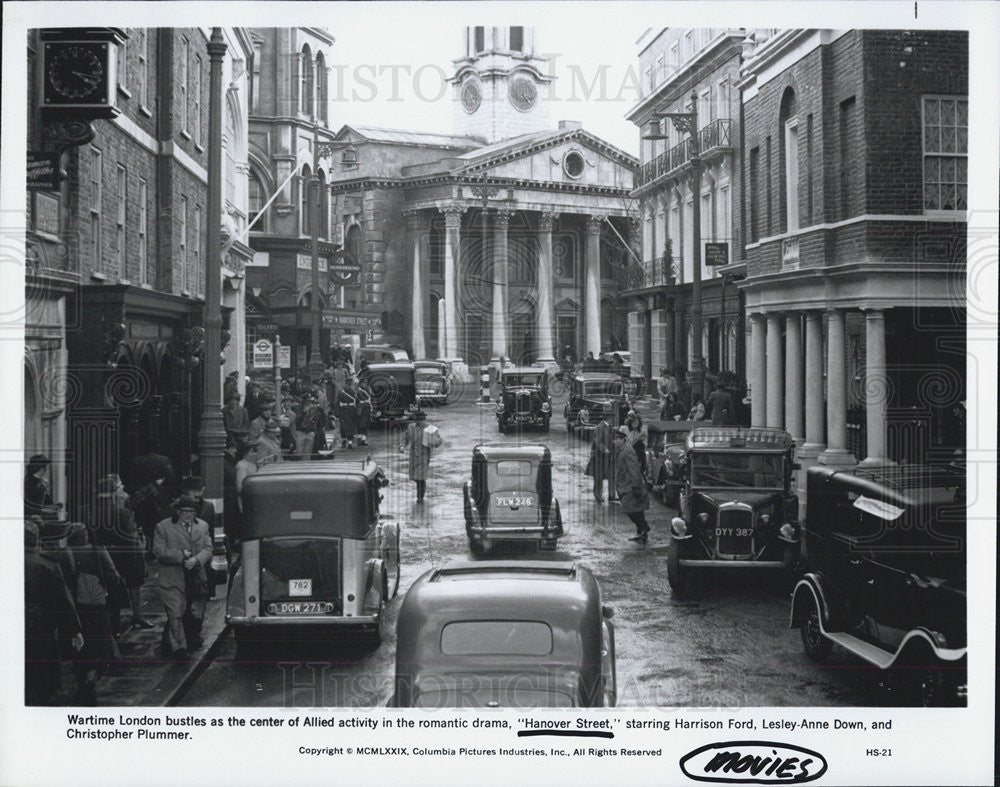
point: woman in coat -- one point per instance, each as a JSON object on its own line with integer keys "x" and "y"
{"x": 631, "y": 485}
{"x": 420, "y": 454}
{"x": 183, "y": 548}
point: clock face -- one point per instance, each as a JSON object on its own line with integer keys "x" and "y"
{"x": 75, "y": 73}
{"x": 472, "y": 96}
{"x": 522, "y": 92}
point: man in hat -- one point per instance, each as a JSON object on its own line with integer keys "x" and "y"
{"x": 420, "y": 454}
{"x": 630, "y": 485}
{"x": 235, "y": 416}
{"x": 259, "y": 424}
{"x": 602, "y": 459}
{"x": 37, "y": 492}
{"x": 268, "y": 446}
{"x": 153, "y": 487}
{"x": 183, "y": 548}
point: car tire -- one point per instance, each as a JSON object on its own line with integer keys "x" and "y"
{"x": 816, "y": 646}
{"x": 476, "y": 547}
{"x": 677, "y": 575}
{"x": 378, "y": 634}
{"x": 393, "y": 560}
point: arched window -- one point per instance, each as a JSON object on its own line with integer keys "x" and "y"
{"x": 304, "y": 212}
{"x": 255, "y": 202}
{"x": 324, "y": 205}
{"x": 321, "y": 87}
{"x": 788, "y": 140}
{"x": 308, "y": 82}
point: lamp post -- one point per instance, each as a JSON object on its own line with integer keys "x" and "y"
{"x": 315, "y": 365}
{"x": 212, "y": 435}
{"x": 687, "y": 122}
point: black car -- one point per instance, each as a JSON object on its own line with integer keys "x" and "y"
{"x": 524, "y": 398}
{"x": 737, "y": 507}
{"x": 593, "y": 394}
{"x": 886, "y": 576}
{"x": 665, "y": 448}
{"x": 393, "y": 390}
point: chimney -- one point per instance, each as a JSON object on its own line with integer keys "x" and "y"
{"x": 565, "y": 125}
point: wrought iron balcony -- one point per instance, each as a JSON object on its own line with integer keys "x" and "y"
{"x": 717, "y": 135}
{"x": 651, "y": 273}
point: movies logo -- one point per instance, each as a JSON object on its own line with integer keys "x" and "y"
{"x": 753, "y": 762}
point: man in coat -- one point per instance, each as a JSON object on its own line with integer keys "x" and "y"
{"x": 720, "y": 406}
{"x": 631, "y": 485}
{"x": 602, "y": 459}
{"x": 153, "y": 487}
{"x": 182, "y": 547}
{"x": 420, "y": 454}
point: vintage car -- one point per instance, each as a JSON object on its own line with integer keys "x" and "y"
{"x": 432, "y": 381}
{"x": 509, "y": 497}
{"x": 737, "y": 505}
{"x": 315, "y": 551}
{"x": 380, "y": 353}
{"x": 886, "y": 576}
{"x": 590, "y": 395}
{"x": 634, "y": 384}
{"x": 524, "y": 398}
{"x": 525, "y": 634}
{"x": 393, "y": 390}
{"x": 665, "y": 449}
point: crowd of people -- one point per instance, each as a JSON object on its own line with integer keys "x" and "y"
{"x": 678, "y": 402}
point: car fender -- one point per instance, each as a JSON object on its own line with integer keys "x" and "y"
{"x": 556, "y": 516}
{"x": 389, "y": 533}
{"x": 811, "y": 589}
{"x": 373, "y": 586}
{"x": 920, "y": 643}
{"x": 235, "y": 603}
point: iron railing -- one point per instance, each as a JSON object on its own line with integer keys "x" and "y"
{"x": 717, "y": 134}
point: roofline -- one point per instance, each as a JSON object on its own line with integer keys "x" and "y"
{"x": 558, "y": 136}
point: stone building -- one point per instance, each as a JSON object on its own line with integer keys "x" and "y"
{"x": 116, "y": 263}
{"x": 856, "y": 162}
{"x": 674, "y": 64}
{"x": 509, "y": 237}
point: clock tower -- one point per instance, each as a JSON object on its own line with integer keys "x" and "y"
{"x": 501, "y": 84}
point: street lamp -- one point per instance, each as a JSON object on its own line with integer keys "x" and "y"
{"x": 687, "y": 122}
{"x": 315, "y": 365}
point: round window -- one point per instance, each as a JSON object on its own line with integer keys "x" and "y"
{"x": 573, "y": 164}
{"x": 523, "y": 93}
{"x": 472, "y": 96}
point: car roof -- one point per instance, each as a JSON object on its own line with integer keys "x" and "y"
{"x": 390, "y": 365}
{"x": 908, "y": 487}
{"x": 323, "y": 468}
{"x": 714, "y": 438}
{"x": 508, "y": 451}
{"x": 524, "y": 370}
{"x": 428, "y": 361}
{"x": 589, "y": 377}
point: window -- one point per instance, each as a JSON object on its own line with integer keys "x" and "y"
{"x": 689, "y": 45}
{"x": 661, "y": 67}
{"x": 183, "y": 257}
{"x": 767, "y": 175}
{"x": 648, "y": 74}
{"x": 196, "y": 98}
{"x": 722, "y": 229}
{"x": 96, "y": 198}
{"x": 304, "y": 212}
{"x": 199, "y": 274}
{"x": 321, "y": 87}
{"x": 308, "y": 83}
{"x": 255, "y": 201}
{"x": 705, "y": 107}
{"x": 143, "y": 67}
{"x": 255, "y": 76}
{"x": 809, "y": 169}
{"x": 322, "y": 198}
{"x": 722, "y": 99}
{"x": 675, "y": 58}
{"x": 121, "y": 64}
{"x": 754, "y": 194}
{"x": 946, "y": 150}
{"x": 517, "y": 39}
{"x": 792, "y": 175}
{"x": 480, "y": 39}
{"x": 143, "y": 230}
{"x": 122, "y": 183}
{"x": 845, "y": 169}
{"x": 183, "y": 83}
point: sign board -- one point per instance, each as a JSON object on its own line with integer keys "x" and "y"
{"x": 354, "y": 321}
{"x": 47, "y": 213}
{"x": 43, "y": 171}
{"x": 344, "y": 269}
{"x": 716, "y": 254}
{"x": 304, "y": 262}
{"x": 263, "y": 354}
{"x": 285, "y": 356}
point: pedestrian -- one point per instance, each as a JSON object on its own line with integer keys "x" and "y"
{"x": 49, "y": 617}
{"x": 601, "y": 464}
{"x": 347, "y": 412}
{"x": 666, "y": 385}
{"x": 97, "y": 579}
{"x": 364, "y": 410}
{"x": 259, "y": 424}
{"x": 268, "y": 445}
{"x": 246, "y": 465}
{"x": 235, "y": 416}
{"x": 420, "y": 453}
{"x": 230, "y": 494}
{"x": 37, "y": 490}
{"x": 697, "y": 411}
{"x": 636, "y": 438}
{"x": 113, "y": 527}
{"x": 720, "y": 406}
{"x": 194, "y": 487}
{"x": 153, "y": 487}
{"x": 339, "y": 379}
{"x": 590, "y": 363}
{"x": 631, "y": 486}
{"x": 183, "y": 549}
{"x": 672, "y": 410}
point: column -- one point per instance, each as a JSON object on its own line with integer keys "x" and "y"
{"x": 836, "y": 452}
{"x": 775, "y": 377}
{"x": 501, "y": 343}
{"x": 592, "y": 285}
{"x": 417, "y": 225}
{"x": 814, "y": 444}
{"x": 876, "y": 388}
{"x": 758, "y": 380}
{"x": 452, "y": 240}
{"x": 546, "y": 354}
{"x": 793, "y": 375}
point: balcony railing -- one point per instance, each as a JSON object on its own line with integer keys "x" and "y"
{"x": 717, "y": 134}
{"x": 651, "y": 273}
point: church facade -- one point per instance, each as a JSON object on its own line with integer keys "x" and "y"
{"x": 509, "y": 237}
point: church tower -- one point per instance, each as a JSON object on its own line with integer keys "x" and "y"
{"x": 501, "y": 86}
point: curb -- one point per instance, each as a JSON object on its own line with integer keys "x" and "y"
{"x": 191, "y": 670}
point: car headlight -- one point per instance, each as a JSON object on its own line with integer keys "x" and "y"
{"x": 669, "y": 465}
{"x": 787, "y": 532}
{"x": 584, "y": 417}
{"x": 765, "y": 520}
{"x": 702, "y": 518}
{"x": 679, "y": 527}
{"x": 501, "y": 407}
{"x": 546, "y": 407}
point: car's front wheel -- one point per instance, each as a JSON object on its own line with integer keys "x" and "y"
{"x": 677, "y": 575}
{"x": 816, "y": 646}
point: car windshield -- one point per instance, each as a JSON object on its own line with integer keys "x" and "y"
{"x": 737, "y": 469}
{"x": 426, "y": 372}
{"x": 609, "y": 387}
{"x": 511, "y": 475}
{"x": 497, "y": 638}
{"x": 522, "y": 379}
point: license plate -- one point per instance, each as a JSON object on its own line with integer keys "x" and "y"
{"x": 300, "y": 587}
{"x": 516, "y": 502}
{"x": 300, "y": 608}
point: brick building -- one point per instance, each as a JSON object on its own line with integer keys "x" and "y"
{"x": 117, "y": 260}
{"x": 855, "y": 160}
{"x": 674, "y": 64}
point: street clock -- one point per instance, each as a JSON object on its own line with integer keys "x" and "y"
{"x": 78, "y": 72}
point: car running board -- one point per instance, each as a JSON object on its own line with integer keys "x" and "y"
{"x": 870, "y": 653}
